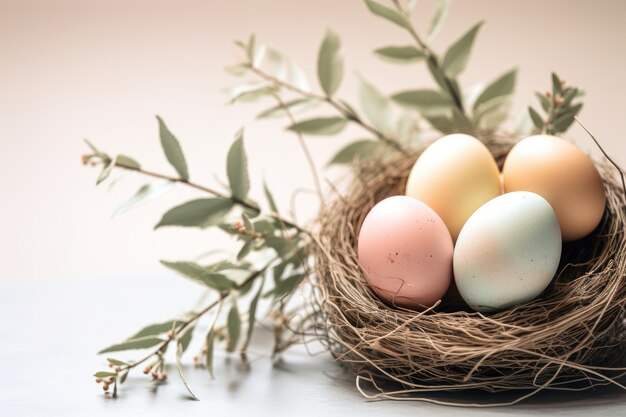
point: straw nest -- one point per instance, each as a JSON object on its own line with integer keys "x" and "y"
{"x": 571, "y": 337}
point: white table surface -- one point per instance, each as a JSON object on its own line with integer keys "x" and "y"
{"x": 52, "y": 328}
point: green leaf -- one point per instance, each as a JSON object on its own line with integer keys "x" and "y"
{"x": 203, "y": 275}
{"x": 104, "y": 374}
{"x": 284, "y": 69}
{"x": 237, "y": 168}
{"x": 387, "y": 13}
{"x": 287, "y": 285}
{"x": 245, "y": 249}
{"x": 455, "y": 59}
{"x": 250, "y": 47}
{"x": 492, "y": 113}
{"x": 202, "y": 213}
{"x": 565, "y": 120}
{"x": 376, "y": 106}
{"x": 270, "y": 198}
{"x": 545, "y": 102}
{"x": 234, "y": 328}
{"x": 425, "y": 101}
{"x": 117, "y": 362}
{"x": 252, "y": 315}
{"x": 251, "y": 91}
{"x": 503, "y": 86}
{"x": 106, "y": 171}
{"x": 157, "y": 329}
{"x": 293, "y": 106}
{"x": 536, "y": 118}
{"x": 569, "y": 94}
{"x": 401, "y": 54}
{"x": 173, "y": 151}
{"x": 130, "y": 344}
{"x": 438, "y": 19}
{"x": 330, "y": 63}
{"x": 320, "y": 126}
{"x": 442, "y": 123}
{"x": 145, "y": 194}
{"x": 127, "y": 162}
{"x": 179, "y": 366}
{"x": 123, "y": 377}
{"x": 185, "y": 339}
{"x": 556, "y": 84}
{"x": 210, "y": 342}
{"x": 281, "y": 245}
{"x": 437, "y": 74}
{"x": 355, "y": 151}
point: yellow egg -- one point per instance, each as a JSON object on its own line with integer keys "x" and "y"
{"x": 455, "y": 176}
{"x": 564, "y": 175}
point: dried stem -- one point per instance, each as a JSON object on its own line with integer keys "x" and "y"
{"x": 341, "y": 108}
{"x": 305, "y": 150}
{"x": 207, "y": 190}
{"x": 160, "y": 349}
{"x": 621, "y": 173}
{"x": 434, "y": 61}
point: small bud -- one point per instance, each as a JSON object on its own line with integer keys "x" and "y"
{"x": 117, "y": 369}
{"x": 163, "y": 377}
{"x": 85, "y": 159}
{"x": 98, "y": 380}
{"x": 237, "y": 224}
{"x": 154, "y": 375}
{"x": 558, "y": 101}
{"x": 170, "y": 335}
{"x": 548, "y": 94}
{"x": 105, "y": 387}
{"x": 111, "y": 379}
{"x": 146, "y": 370}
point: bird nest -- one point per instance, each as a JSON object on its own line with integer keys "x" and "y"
{"x": 569, "y": 338}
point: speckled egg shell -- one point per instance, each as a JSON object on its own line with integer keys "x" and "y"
{"x": 508, "y": 252}
{"x": 405, "y": 251}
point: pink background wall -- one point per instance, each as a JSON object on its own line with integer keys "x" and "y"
{"x": 102, "y": 70}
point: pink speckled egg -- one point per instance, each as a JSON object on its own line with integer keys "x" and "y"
{"x": 405, "y": 250}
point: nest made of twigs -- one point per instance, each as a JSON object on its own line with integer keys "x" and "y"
{"x": 571, "y": 337}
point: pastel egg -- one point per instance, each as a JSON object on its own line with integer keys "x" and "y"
{"x": 508, "y": 252}
{"x": 405, "y": 251}
{"x": 454, "y": 176}
{"x": 561, "y": 173}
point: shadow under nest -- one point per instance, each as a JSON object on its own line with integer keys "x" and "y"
{"x": 572, "y": 337}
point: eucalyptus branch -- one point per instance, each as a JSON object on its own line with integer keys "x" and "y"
{"x": 337, "y": 105}
{"x": 206, "y": 189}
{"x": 179, "y": 330}
{"x": 433, "y": 61}
{"x": 305, "y": 149}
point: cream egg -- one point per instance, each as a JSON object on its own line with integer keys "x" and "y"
{"x": 405, "y": 251}
{"x": 454, "y": 176}
{"x": 561, "y": 173}
{"x": 508, "y": 252}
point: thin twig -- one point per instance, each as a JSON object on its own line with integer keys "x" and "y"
{"x": 185, "y": 324}
{"x": 305, "y": 150}
{"x": 349, "y": 115}
{"x": 207, "y": 190}
{"x": 621, "y": 173}
{"x": 432, "y": 58}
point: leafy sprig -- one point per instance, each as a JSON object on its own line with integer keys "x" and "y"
{"x": 559, "y": 105}
{"x": 258, "y": 230}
